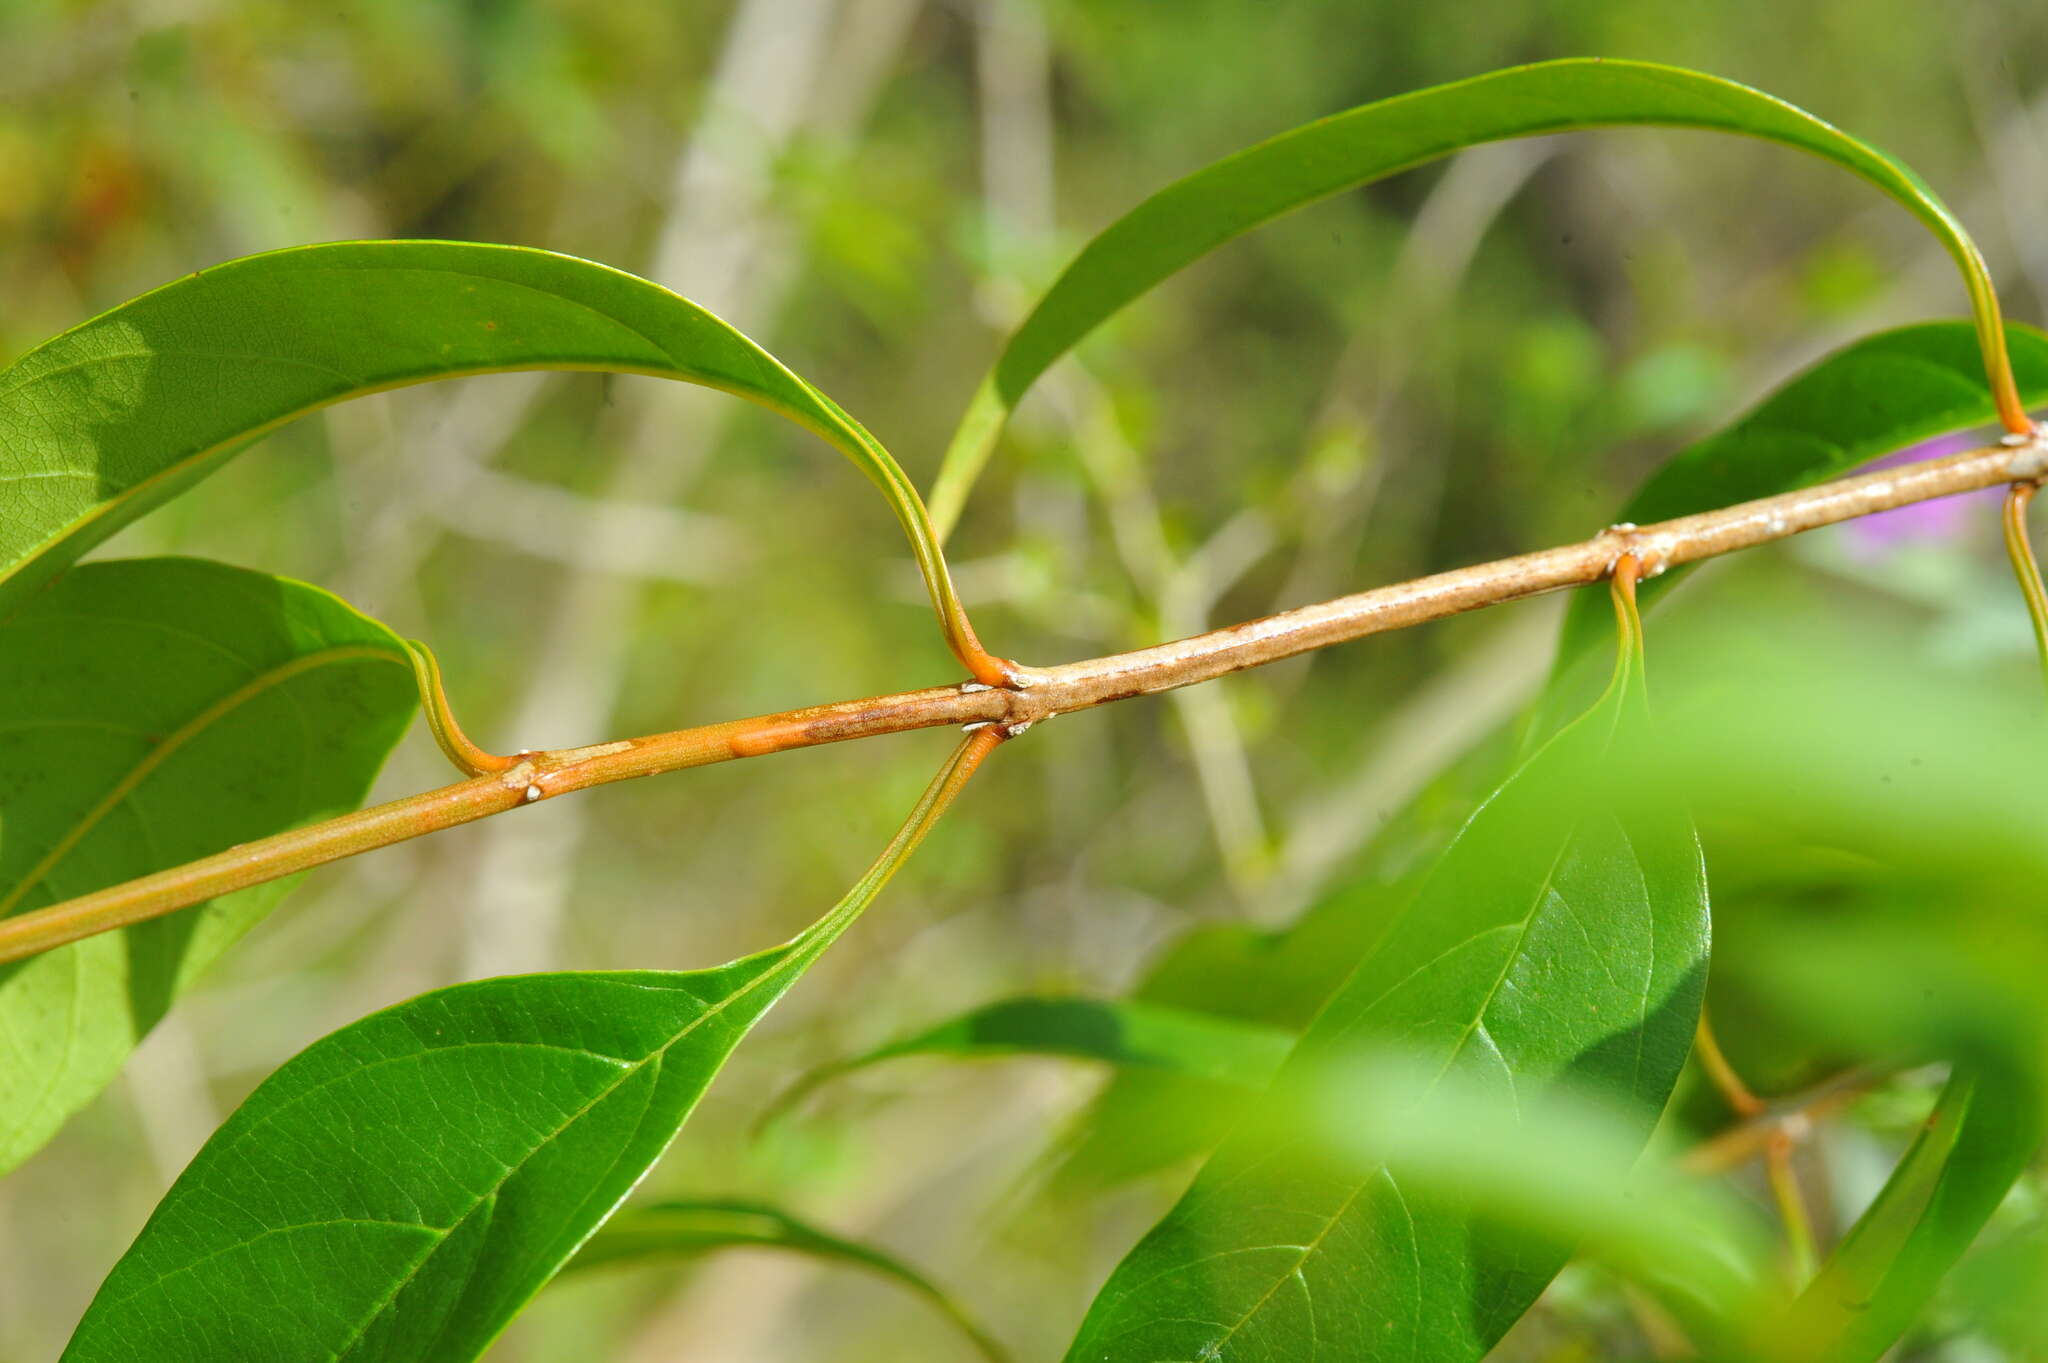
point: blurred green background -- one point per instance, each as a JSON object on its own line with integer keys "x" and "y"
{"x": 1464, "y": 362}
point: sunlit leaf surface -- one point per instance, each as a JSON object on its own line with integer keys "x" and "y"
{"x": 400, "y": 1188}
{"x": 1560, "y": 945}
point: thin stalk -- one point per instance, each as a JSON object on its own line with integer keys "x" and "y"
{"x": 1779, "y": 1143}
{"x": 1791, "y": 1200}
{"x": 1032, "y": 695}
{"x": 1741, "y": 1099}
{"x": 1749, "y": 1137}
{"x": 455, "y": 745}
{"x": 2021, "y": 551}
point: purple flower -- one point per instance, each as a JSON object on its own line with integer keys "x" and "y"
{"x": 1873, "y": 536}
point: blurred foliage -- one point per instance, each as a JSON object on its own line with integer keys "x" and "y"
{"x": 1460, "y": 363}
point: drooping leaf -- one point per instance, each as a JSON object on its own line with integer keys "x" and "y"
{"x": 118, "y": 415}
{"x": 1125, "y": 1033}
{"x": 1193, "y": 216}
{"x": 402, "y": 1187}
{"x": 1559, "y": 947}
{"x": 1871, "y": 397}
{"x": 680, "y": 1229}
{"x": 157, "y": 711}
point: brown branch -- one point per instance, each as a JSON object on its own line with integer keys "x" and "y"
{"x": 1751, "y": 1136}
{"x": 1040, "y": 694}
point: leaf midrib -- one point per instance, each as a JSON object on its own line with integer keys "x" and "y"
{"x": 1379, "y": 1167}
{"x": 489, "y": 1194}
{"x": 174, "y": 741}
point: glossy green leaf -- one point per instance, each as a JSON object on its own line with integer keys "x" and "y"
{"x": 1193, "y": 216}
{"x": 1876, "y": 395}
{"x": 157, "y": 711}
{"x": 121, "y": 413}
{"x": 678, "y": 1229}
{"x": 1126, "y": 1033}
{"x": 402, "y": 1187}
{"x": 1980, "y": 1138}
{"x": 1559, "y": 947}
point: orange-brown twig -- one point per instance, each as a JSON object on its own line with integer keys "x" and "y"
{"x": 1026, "y": 696}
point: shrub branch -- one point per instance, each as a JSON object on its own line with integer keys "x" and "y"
{"x": 1035, "y": 695}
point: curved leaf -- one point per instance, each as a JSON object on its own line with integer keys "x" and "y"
{"x": 1122, "y": 1032}
{"x": 1558, "y": 947}
{"x": 667, "y": 1230}
{"x": 1876, "y": 395}
{"x": 156, "y": 711}
{"x": 118, "y": 415}
{"x": 1193, "y": 216}
{"x": 409, "y": 1182}
{"x": 1977, "y": 1142}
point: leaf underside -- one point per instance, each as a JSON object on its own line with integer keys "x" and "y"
{"x": 157, "y": 711}
{"x": 118, "y": 415}
{"x": 1185, "y": 221}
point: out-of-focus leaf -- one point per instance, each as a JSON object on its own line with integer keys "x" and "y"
{"x": 675, "y": 1229}
{"x": 1871, "y": 397}
{"x": 157, "y": 711}
{"x": 118, "y": 415}
{"x": 2000, "y": 1289}
{"x": 1900, "y": 986}
{"x": 400, "y": 1188}
{"x": 1125, "y": 1033}
{"x": 1558, "y": 947}
{"x": 1926, "y": 946}
{"x": 1550, "y": 1172}
{"x": 1979, "y": 1139}
{"x": 1149, "y": 1119}
{"x": 1193, "y": 216}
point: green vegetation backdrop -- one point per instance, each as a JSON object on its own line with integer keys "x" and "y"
{"x": 1463, "y": 362}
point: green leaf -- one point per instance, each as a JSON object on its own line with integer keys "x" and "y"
{"x": 1145, "y": 1120}
{"x": 1558, "y": 948}
{"x": 1876, "y": 395}
{"x": 1926, "y": 981}
{"x": 1980, "y": 1138}
{"x": 1550, "y": 1171}
{"x": 667, "y": 1230}
{"x": 402, "y": 1187}
{"x": 1193, "y": 216}
{"x": 118, "y": 415}
{"x": 157, "y": 711}
{"x": 1126, "y": 1033}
